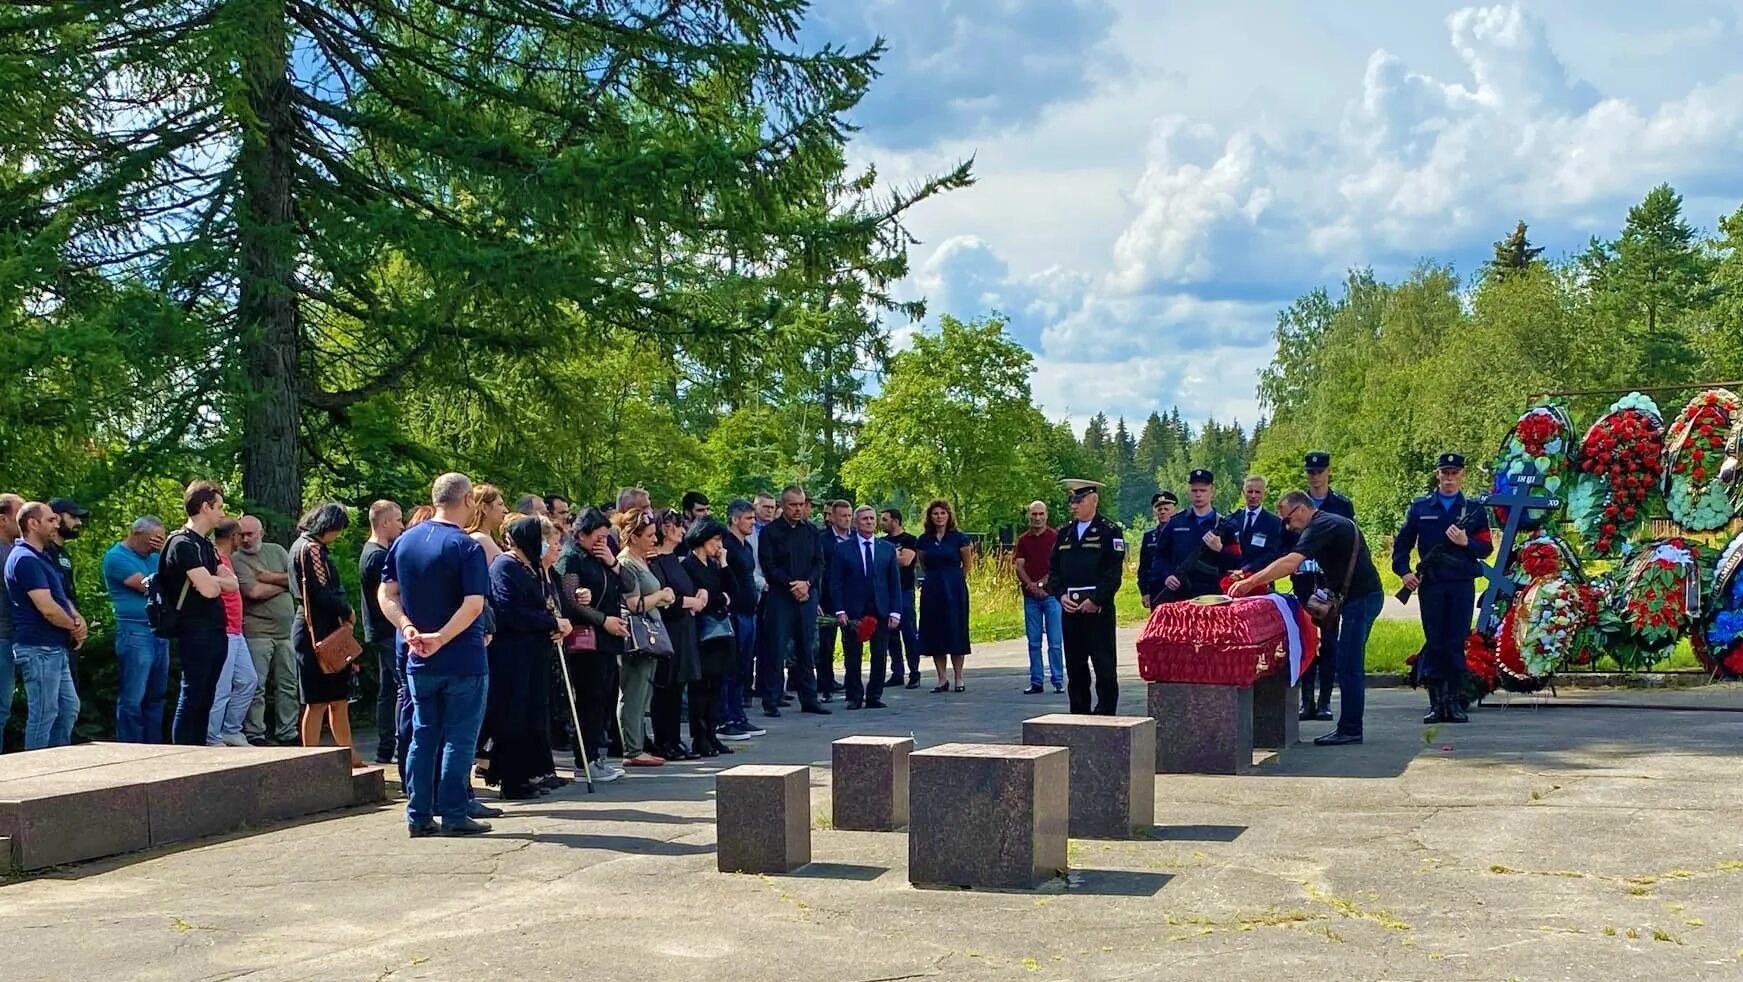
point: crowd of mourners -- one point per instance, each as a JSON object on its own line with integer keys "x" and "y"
{"x": 506, "y": 636}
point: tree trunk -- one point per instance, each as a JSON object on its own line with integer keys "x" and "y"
{"x": 272, "y": 479}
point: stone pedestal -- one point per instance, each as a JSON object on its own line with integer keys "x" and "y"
{"x": 762, "y": 815}
{"x": 1202, "y": 729}
{"x": 1276, "y": 711}
{"x": 1113, "y": 770}
{"x": 869, "y": 783}
{"x": 982, "y": 815}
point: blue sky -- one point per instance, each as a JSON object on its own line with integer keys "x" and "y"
{"x": 1157, "y": 179}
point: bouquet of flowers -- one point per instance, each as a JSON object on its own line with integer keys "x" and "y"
{"x": 1722, "y": 633}
{"x": 1543, "y": 438}
{"x": 1694, "y": 449}
{"x": 1621, "y": 463}
{"x": 1656, "y": 601}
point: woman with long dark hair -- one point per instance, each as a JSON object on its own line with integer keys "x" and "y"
{"x": 717, "y": 646}
{"x": 315, "y": 584}
{"x": 684, "y": 666}
{"x": 520, "y": 652}
{"x": 946, "y": 555}
{"x": 592, "y": 598}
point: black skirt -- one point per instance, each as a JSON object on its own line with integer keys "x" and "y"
{"x": 317, "y": 687}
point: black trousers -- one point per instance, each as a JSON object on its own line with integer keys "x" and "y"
{"x": 386, "y": 700}
{"x": 825, "y": 659}
{"x": 905, "y": 641}
{"x": 1446, "y": 621}
{"x": 1089, "y": 644}
{"x": 202, "y": 652}
{"x": 704, "y": 697}
{"x": 592, "y": 673}
{"x": 852, "y": 651}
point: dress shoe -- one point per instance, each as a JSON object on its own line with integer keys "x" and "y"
{"x": 1307, "y": 713}
{"x": 1324, "y": 713}
{"x": 706, "y": 751}
{"x": 1034, "y": 689}
{"x": 478, "y": 809}
{"x": 518, "y": 792}
{"x": 1335, "y": 739}
{"x": 913, "y": 683}
{"x": 854, "y": 705}
{"x": 940, "y": 688}
{"x": 422, "y": 831}
{"x": 825, "y": 697}
{"x": 815, "y": 710}
{"x": 875, "y": 704}
{"x": 465, "y": 826}
{"x": 722, "y": 749}
{"x": 893, "y": 682}
{"x": 771, "y": 712}
{"x": 787, "y": 700}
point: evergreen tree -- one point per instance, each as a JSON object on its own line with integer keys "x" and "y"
{"x": 1515, "y": 253}
{"x": 317, "y": 203}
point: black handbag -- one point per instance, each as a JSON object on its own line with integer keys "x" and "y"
{"x": 647, "y": 636}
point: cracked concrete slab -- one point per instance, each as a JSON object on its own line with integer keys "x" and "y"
{"x": 1550, "y": 844}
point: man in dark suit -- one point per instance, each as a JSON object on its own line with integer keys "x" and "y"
{"x": 1260, "y": 531}
{"x": 864, "y": 582}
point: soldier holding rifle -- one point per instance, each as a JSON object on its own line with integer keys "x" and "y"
{"x": 1450, "y": 534}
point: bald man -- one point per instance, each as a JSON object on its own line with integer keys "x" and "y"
{"x": 263, "y": 570}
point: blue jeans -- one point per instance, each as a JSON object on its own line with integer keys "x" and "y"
{"x": 790, "y": 624}
{"x": 49, "y": 692}
{"x": 8, "y": 685}
{"x": 402, "y": 710}
{"x": 235, "y": 692}
{"x": 143, "y": 660}
{"x": 734, "y": 686}
{"x": 1355, "y": 621}
{"x": 1041, "y": 614}
{"x": 447, "y": 711}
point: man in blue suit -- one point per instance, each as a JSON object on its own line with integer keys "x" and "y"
{"x": 864, "y": 582}
{"x": 1260, "y": 531}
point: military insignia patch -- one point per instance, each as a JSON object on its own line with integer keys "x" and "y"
{"x": 1119, "y": 545}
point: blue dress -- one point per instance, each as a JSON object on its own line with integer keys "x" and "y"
{"x": 943, "y": 595}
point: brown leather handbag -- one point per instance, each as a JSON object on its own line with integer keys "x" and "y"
{"x": 335, "y": 652}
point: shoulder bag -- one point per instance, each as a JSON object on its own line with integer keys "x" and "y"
{"x": 647, "y": 632}
{"x": 1324, "y": 606}
{"x": 335, "y": 652}
{"x": 581, "y": 638}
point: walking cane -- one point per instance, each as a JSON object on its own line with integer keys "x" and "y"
{"x": 575, "y": 715}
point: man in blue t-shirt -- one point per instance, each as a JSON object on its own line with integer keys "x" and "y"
{"x": 45, "y": 627}
{"x": 432, "y": 590}
{"x": 141, "y": 657}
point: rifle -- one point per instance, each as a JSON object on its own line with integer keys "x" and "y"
{"x": 1404, "y": 593}
{"x": 1194, "y": 562}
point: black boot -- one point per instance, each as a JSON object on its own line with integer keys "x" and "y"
{"x": 1435, "y": 714}
{"x": 1450, "y": 704}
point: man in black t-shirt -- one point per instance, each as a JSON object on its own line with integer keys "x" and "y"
{"x": 190, "y": 580}
{"x": 385, "y": 525}
{"x": 906, "y": 638}
{"x": 1338, "y": 547}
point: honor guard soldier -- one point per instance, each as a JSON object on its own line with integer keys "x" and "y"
{"x": 1316, "y": 467}
{"x": 1451, "y": 536}
{"x": 1163, "y": 502}
{"x": 1089, "y": 558}
{"x": 1197, "y": 547}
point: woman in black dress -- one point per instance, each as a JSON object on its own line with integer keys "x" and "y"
{"x": 518, "y": 705}
{"x": 592, "y": 595}
{"x": 315, "y": 586}
{"x": 684, "y": 666}
{"x": 717, "y": 646}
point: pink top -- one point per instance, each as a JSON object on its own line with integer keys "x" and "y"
{"x": 232, "y": 601}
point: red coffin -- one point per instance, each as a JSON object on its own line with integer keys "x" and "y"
{"x": 1219, "y": 644}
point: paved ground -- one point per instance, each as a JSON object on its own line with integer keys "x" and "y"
{"x": 1533, "y": 844}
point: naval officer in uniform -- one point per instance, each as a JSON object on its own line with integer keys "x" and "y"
{"x": 1450, "y": 534}
{"x": 1089, "y": 558}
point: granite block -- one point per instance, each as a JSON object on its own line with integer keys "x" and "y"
{"x": 300, "y": 782}
{"x": 868, "y": 779}
{"x": 982, "y": 815}
{"x": 1113, "y": 770}
{"x": 76, "y": 825}
{"x": 762, "y": 817}
{"x": 185, "y": 806}
{"x": 1202, "y": 729}
{"x": 1276, "y": 711}
{"x": 368, "y": 785}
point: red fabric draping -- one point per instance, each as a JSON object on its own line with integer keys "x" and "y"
{"x": 1222, "y": 644}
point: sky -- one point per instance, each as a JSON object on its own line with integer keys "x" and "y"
{"x": 1156, "y": 180}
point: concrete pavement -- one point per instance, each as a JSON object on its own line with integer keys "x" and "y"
{"x": 1546, "y": 844}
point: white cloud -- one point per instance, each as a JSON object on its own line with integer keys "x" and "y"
{"x": 1149, "y": 229}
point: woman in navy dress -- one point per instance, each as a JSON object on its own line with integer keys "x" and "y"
{"x": 518, "y": 705}
{"x": 946, "y": 555}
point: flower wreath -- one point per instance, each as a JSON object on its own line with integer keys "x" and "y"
{"x": 1543, "y": 438}
{"x": 1621, "y": 463}
{"x": 1694, "y": 448}
{"x": 1656, "y": 600}
{"x": 1723, "y": 630}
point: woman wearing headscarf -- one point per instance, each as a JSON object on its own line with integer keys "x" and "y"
{"x": 520, "y": 651}
{"x": 717, "y": 646}
{"x": 684, "y": 666}
{"x": 592, "y": 597}
{"x": 315, "y": 585}
{"x": 638, "y": 529}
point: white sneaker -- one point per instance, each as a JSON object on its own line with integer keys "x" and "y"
{"x": 233, "y": 740}
{"x": 604, "y": 773}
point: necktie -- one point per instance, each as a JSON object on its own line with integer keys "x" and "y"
{"x": 1250, "y": 517}
{"x": 866, "y": 543}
